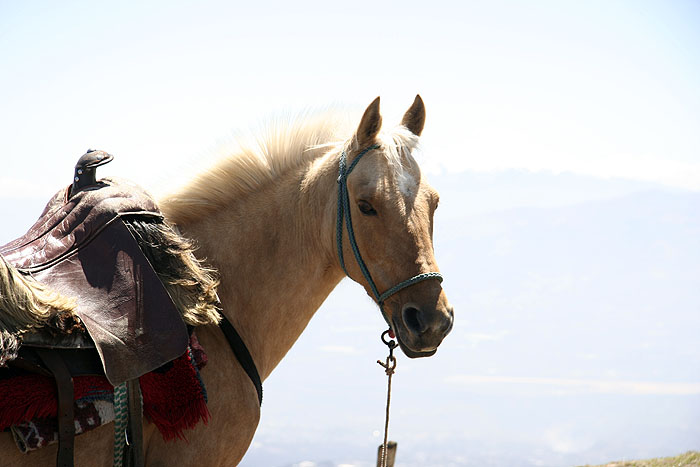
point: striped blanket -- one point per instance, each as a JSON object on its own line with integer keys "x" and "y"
{"x": 174, "y": 399}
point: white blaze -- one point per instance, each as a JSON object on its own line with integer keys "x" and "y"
{"x": 407, "y": 184}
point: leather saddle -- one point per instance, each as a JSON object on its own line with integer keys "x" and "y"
{"x": 81, "y": 247}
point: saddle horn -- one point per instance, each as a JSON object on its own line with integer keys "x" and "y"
{"x": 85, "y": 173}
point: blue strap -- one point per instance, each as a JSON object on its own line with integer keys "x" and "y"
{"x": 344, "y": 213}
{"x": 409, "y": 282}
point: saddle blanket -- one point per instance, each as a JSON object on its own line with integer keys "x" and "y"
{"x": 174, "y": 399}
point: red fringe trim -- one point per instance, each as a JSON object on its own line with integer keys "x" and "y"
{"x": 26, "y": 397}
{"x": 172, "y": 399}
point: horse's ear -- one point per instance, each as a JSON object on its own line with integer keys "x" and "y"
{"x": 414, "y": 119}
{"x": 370, "y": 124}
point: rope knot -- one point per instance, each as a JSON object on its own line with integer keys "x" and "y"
{"x": 389, "y": 366}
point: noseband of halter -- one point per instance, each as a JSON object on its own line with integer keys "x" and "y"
{"x": 344, "y": 213}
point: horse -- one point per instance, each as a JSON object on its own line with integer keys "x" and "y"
{"x": 283, "y": 221}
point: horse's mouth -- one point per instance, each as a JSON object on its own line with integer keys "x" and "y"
{"x": 408, "y": 351}
{"x": 413, "y": 354}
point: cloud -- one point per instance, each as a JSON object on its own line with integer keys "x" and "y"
{"x": 588, "y": 386}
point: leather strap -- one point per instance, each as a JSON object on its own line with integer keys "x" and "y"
{"x": 135, "y": 425}
{"x": 242, "y": 354}
{"x": 66, "y": 424}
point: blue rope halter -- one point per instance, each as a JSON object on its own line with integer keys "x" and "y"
{"x": 344, "y": 213}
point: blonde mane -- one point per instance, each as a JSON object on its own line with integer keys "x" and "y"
{"x": 282, "y": 146}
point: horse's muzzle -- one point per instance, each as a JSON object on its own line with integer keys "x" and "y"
{"x": 420, "y": 331}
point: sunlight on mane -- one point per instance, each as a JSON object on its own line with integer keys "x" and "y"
{"x": 284, "y": 144}
{"x": 399, "y": 144}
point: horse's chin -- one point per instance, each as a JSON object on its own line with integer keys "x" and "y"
{"x": 413, "y": 354}
{"x": 408, "y": 351}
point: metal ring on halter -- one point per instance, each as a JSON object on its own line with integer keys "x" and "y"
{"x": 391, "y": 343}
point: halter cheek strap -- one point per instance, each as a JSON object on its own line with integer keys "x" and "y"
{"x": 344, "y": 213}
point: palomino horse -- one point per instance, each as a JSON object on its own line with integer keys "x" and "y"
{"x": 269, "y": 219}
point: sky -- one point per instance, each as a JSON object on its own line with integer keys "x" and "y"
{"x": 600, "y": 88}
{"x": 563, "y": 137}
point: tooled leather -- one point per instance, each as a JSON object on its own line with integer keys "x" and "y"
{"x": 80, "y": 248}
{"x": 67, "y": 224}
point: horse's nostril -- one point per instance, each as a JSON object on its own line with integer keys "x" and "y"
{"x": 412, "y": 319}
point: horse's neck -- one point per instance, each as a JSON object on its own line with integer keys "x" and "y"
{"x": 275, "y": 254}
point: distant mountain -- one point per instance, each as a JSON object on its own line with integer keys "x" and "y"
{"x": 479, "y": 192}
{"x": 624, "y": 272}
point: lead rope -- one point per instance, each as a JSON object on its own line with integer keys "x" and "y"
{"x": 389, "y": 368}
{"x": 344, "y": 216}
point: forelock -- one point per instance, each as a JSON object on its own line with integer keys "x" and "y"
{"x": 398, "y": 146}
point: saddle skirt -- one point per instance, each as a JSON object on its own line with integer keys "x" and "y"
{"x": 81, "y": 248}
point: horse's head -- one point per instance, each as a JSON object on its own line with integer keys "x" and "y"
{"x": 391, "y": 208}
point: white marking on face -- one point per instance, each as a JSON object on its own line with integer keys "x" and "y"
{"x": 407, "y": 184}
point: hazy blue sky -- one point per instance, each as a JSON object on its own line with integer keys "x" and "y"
{"x": 564, "y": 139}
{"x": 601, "y": 88}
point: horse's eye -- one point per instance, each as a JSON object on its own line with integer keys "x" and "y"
{"x": 366, "y": 208}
